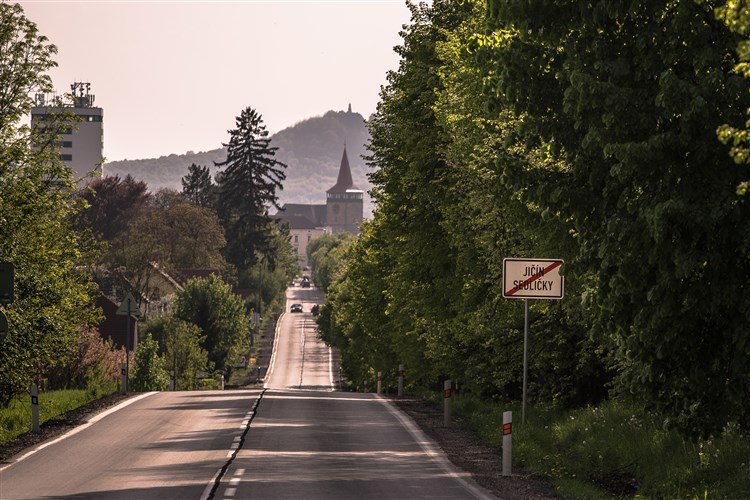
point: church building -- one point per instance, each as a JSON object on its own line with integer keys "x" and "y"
{"x": 344, "y": 202}
{"x": 342, "y": 212}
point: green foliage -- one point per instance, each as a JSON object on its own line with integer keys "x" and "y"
{"x": 15, "y": 418}
{"x": 149, "y": 371}
{"x": 210, "y": 304}
{"x": 421, "y": 285}
{"x": 25, "y": 58}
{"x": 111, "y": 205}
{"x": 247, "y": 188}
{"x": 326, "y": 257}
{"x": 198, "y": 186}
{"x": 626, "y": 127}
{"x": 736, "y": 15}
{"x": 180, "y": 347}
{"x": 615, "y": 449}
{"x": 173, "y": 232}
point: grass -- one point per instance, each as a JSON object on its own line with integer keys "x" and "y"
{"x": 616, "y": 451}
{"x": 16, "y": 418}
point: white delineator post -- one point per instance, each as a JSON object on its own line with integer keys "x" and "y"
{"x": 447, "y": 395}
{"x": 400, "y": 380}
{"x": 507, "y": 441}
{"x": 34, "y": 407}
{"x": 380, "y": 382}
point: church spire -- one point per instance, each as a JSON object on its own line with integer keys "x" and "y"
{"x": 344, "y": 181}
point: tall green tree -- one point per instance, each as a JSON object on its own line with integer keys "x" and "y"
{"x": 736, "y": 15}
{"x": 247, "y": 188}
{"x": 25, "y": 58}
{"x": 52, "y": 290}
{"x": 220, "y": 314}
{"x": 625, "y": 100}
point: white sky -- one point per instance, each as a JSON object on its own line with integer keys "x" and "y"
{"x": 171, "y": 76}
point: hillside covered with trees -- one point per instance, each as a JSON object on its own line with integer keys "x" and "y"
{"x": 311, "y": 149}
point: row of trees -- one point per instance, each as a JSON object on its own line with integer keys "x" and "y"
{"x": 68, "y": 245}
{"x": 598, "y": 133}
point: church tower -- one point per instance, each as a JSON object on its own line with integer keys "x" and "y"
{"x": 344, "y": 202}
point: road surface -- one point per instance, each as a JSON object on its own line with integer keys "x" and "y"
{"x": 296, "y": 439}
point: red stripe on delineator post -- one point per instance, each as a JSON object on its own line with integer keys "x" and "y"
{"x": 533, "y": 278}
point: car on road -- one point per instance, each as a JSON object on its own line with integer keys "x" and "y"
{"x": 296, "y": 308}
{"x": 305, "y": 283}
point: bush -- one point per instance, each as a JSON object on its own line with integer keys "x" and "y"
{"x": 149, "y": 372}
{"x": 93, "y": 364}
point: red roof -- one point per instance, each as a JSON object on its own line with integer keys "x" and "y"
{"x": 345, "y": 181}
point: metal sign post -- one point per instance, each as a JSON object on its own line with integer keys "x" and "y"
{"x": 128, "y": 308}
{"x": 531, "y": 279}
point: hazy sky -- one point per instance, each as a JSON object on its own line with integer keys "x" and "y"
{"x": 171, "y": 76}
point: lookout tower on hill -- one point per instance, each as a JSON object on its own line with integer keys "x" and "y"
{"x": 344, "y": 202}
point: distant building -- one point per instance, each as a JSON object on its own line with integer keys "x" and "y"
{"x": 82, "y": 145}
{"x": 344, "y": 202}
{"x": 342, "y": 212}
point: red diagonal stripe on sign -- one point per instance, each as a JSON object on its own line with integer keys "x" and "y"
{"x": 533, "y": 278}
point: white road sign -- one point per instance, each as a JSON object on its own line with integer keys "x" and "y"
{"x": 533, "y": 279}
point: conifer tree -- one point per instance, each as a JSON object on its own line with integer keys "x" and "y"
{"x": 247, "y": 187}
{"x": 198, "y": 186}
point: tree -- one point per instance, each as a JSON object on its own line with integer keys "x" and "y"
{"x": 737, "y": 17}
{"x": 210, "y": 304}
{"x": 326, "y": 256}
{"x": 52, "y": 289}
{"x": 25, "y": 57}
{"x": 624, "y": 104}
{"x": 149, "y": 369}
{"x": 247, "y": 188}
{"x": 167, "y": 234}
{"x": 198, "y": 186}
{"x": 112, "y": 204}
{"x": 180, "y": 346}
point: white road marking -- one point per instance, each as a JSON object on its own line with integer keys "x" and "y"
{"x": 78, "y": 429}
{"x": 272, "y": 363}
{"x": 433, "y": 451}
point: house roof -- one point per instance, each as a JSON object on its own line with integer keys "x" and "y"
{"x": 344, "y": 182}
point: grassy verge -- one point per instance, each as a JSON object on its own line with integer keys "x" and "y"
{"x": 16, "y": 418}
{"x": 616, "y": 451}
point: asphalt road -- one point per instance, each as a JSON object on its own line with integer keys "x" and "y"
{"x": 165, "y": 445}
{"x": 295, "y": 439}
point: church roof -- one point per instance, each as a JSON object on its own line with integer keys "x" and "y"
{"x": 345, "y": 182}
{"x": 315, "y": 213}
{"x": 297, "y": 221}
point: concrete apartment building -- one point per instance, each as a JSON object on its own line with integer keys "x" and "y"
{"x": 82, "y": 145}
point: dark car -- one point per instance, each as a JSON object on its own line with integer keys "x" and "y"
{"x": 305, "y": 283}
{"x": 296, "y": 308}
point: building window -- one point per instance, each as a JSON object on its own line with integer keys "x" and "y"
{"x": 309, "y": 237}
{"x": 66, "y": 157}
{"x": 296, "y": 238}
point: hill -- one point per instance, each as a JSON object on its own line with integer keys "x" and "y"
{"x": 311, "y": 149}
